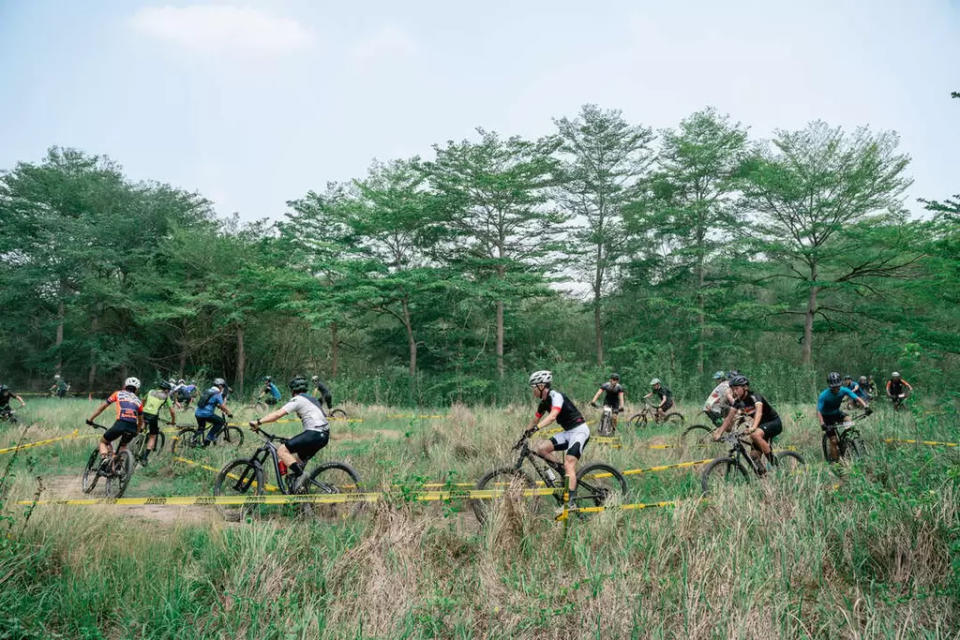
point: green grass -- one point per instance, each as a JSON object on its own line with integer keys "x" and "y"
{"x": 873, "y": 552}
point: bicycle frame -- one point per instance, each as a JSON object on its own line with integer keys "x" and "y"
{"x": 259, "y": 457}
{"x": 526, "y": 453}
{"x": 739, "y": 450}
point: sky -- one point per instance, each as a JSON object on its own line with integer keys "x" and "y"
{"x": 253, "y": 104}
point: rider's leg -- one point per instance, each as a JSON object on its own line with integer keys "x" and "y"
{"x": 105, "y": 448}
{"x": 218, "y": 424}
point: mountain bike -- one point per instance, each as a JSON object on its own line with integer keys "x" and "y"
{"x": 7, "y": 415}
{"x": 849, "y": 441}
{"x": 606, "y": 426}
{"x": 247, "y": 476}
{"x": 598, "y": 484}
{"x": 649, "y": 413}
{"x": 115, "y": 470}
{"x": 139, "y": 444}
{"x": 193, "y": 438}
{"x": 701, "y": 435}
{"x": 898, "y": 400}
{"x": 733, "y": 469}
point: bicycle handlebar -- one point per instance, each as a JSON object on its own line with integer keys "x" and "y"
{"x": 95, "y": 425}
{"x": 270, "y": 436}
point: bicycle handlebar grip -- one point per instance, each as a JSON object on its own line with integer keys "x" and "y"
{"x": 91, "y": 423}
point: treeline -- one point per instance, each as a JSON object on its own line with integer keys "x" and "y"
{"x": 605, "y": 245}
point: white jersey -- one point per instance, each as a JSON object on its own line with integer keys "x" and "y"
{"x": 308, "y": 410}
{"x": 718, "y": 397}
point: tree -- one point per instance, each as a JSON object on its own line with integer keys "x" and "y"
{"x": 817, "y": 183}
{"x": 603, "y": 159}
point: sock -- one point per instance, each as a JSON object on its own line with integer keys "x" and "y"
{"x": 296, "y": 468}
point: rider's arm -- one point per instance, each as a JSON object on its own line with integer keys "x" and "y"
{"x": 596, "y": 395}
{"x": 907, "y": 385}
{"x": 820, "y": 418}
{"x": 99, "y": 410}
{"x": 22, "y": 403}
{"x": 888, "y": 389}
{"x": 725, "y": 426}
{"x": 663, "y": 401}
{"x": 757, "y": 417}
{"x": 223, "y": 407}
{"x": 648, "y": 395}
{"x": 273, "y": 416}
{"x": 173, "y": 415}
{"x": 621, "y": 401}
{"x": 549, "y": 418}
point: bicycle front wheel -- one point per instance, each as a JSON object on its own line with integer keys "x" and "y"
{"x": 638, "y": 420}
{"x": 788, "y": 461}
{"x": 600, "y": 485}
{"x": 184, "y": 440}
{"x": 336, "y": 480}
{"x": 508, "y": 480}
{"x": 239, "y": 478}
{"x": 674, "y": 419}
{"x": 851, "y": 445}
{"x": 723, "y": 471}
{"x": 339, "y": 414}
{"x": 231, "y": 436}
{"x": 606, "y": 426}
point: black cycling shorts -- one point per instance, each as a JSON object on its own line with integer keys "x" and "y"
{"x": 153, "y": 423}
{"x": 834, "y": 419}
{"x": 771, "y": 429}
{"x": 667, "y": 405}
{"x": 122, "y": 429}
{"x": 270, "y": 400}
{"x": 308, "y": 442}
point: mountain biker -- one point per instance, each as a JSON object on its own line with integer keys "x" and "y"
{"x": 557, "y": 407}
{"x": 613, "y": 398}
{"x": 828, "y": 409}
{"x": 129, "y": 417}
{"x": 6, "y": 393}
{"x": 666, "y": 397}
{"x": 156, "y": 399}
{"x": 719, "y": 401}
{"x": 298, "y": 450}
{"x": 59, "y": 387}
{"x": 183, "y": 393}
{"x": 865, "y": 388}
{"x": 853, "y": 386}
{"x": 206, "y": 411}
{"x": 321, "y": 391}
{"x": 895, "y": 386}
{"x": 269, "y": 394}
{"x": 766, "y": 422}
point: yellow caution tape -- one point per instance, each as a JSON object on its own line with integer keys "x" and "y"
{"x": 931, "y": 443}
{"x": 266, "y": 485}
{"x": 664, "y": 467}
{"x": 622, "y": 507}
{"x": 40, "y": 443}
{"x": 421, "y": 416}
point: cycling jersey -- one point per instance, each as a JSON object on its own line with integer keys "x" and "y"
{"x": 613, "y": 392}
{"x": 156, "y": 399}
{"x": 5, "y": 397}
{"x": 272, "y": 390}
{"x": 322, "y": 391}
{"x": 749, "y": 406}
{"x": 828, "y": 404}
{"x": 717, "y": 400}
{"x": 896, "y": 387}
{"x": 663, "y": 392}
{"x": 185, "y": 391}
{"x": 569, "y": 416}
{"x": 128, "y": 405}
{"x": 214, "y": 399}
{"x": 309, "y": 410}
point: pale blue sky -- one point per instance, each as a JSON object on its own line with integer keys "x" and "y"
{"x": 254, "y": 103}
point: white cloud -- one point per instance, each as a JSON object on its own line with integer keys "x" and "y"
{"x": 223, "y": 29}
{"x": 388, "y": 43}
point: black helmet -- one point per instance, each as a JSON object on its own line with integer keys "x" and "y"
{"x": 733, "y": 373}
{"x": 848, "y": 377}
{"x": 833, "y": 379}
{"x": 739, "y": 381}
{"x": 165, "y": 384}
{"x": 3, "y": 388}
{"x": 614, "y": 376}
{"x": 298, "y": 384}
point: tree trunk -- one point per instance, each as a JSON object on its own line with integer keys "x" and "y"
{"x": 410, "y": 339}
{"x": 808, "y": 322}
{"x": 597, "y": 322}
{"x": 61, "y": 314}
{"x": 500, "y": 367}
{"x": 334, "y": 350}
{"x": 701, "y": 317}
{"x": 241, "y": 360}
{"x": 597, "y": 312}
{"x": 92, "y": 373}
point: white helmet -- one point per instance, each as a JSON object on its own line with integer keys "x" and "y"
{"x": 540, "y": 377}
{"x": 655, "y": 382}
{"x": 132, "y": 382}
{"x": 56, "y": 376}
{"x": 896, "y": 374}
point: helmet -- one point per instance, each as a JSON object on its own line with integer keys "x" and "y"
{"x": 833, "y": 379}
{"x": 733, "y": 373}
{"x": 614, "y": 376}
{"x": 739, "y": 381}
{"x": 655, "y": 382}
{"x": 181, "y": 381}
{"x": 267, "y": 379}
{"x": 896, "y": 374}
{"x": 3, "y": 388}
{"x": 219, "y": 382}
{"x": 847, "y": 377}
{"x": 315, "y": 378}
{"x": 298, "y": 384}
{"x": 165, "y": 384}
{"x": 719, "y": 375}
{"x": 56, "y": 376}
{"x": 131, "y": 382}
{"x": 862, "y": 380}
{"x": 540, "y": 377}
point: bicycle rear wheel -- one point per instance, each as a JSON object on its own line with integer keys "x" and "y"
{"x": 674, "y": 419}
{"x": 600, "y": 485}
{"x": 121, "y": 470}
{"x": 239, "y": 478}
{"x": 788, "y": 462}
{"x": 696, "y": 435}
{"x": 509, "y": 480}
{"x": 339, "y": 414}
{"x": 334, "y": 479}
{"x": 90, "y": 476}
{"x": 721, "y": 472}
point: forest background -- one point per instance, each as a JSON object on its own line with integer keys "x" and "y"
{"x": 604, "y": 246}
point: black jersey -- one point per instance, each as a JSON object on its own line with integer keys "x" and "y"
{"x": 749, "y": 406}
{"x": 569, "y": 416}
{"x": 612, "y": 392}
{"x": 895, "y": 386}
{"x": 663, "y": 392}
{"x": 5, "y": 397}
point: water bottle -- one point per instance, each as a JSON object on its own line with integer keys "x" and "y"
{"x": 551, "y": 475}
{"x": 283, "y": 467}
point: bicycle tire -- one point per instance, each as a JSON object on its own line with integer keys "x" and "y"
{"x": 510, "y": 476}
{"x": 638, "y": 420}
{"x": 231, "y": 436}
{"x": 122, "y": 468}
{"x": 825, "y": 447}
{"x": 260, "y": 408}
{"x": 723, "y": 471}
{"x": 237, "y": 478}
{"x": 331, "y": 478}
{"x": 602, "y": 491}
{"x": 606, "y": 425}
{"x": 160, "y": 442}
{"x": 788, "y": 467}
{"x": 674, "y": 418}
{"x": 90, "y": 476}
{"x": 696, "y": 435}
{"x": 185, "y": 439}
{"x": 339, "y": 414}
{"x": 851, "y": 445}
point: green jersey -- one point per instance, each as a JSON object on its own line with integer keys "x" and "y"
{"x": 156, "y": 400}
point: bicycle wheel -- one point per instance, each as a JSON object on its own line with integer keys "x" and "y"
{"x": 600, "y": 485}
{"x": 90, "y": 475}
{"x": 334, "y": 479}
{"x": 121, "y": 469}
{"x": 240, "y": 477}
{"x": 260, "y": 408}
{"x": 723, "y": 471}
{"x": 825, "y": 447}
{"x": 606, "y": 426}
{"x": 231, "y": 436}
{"x": 509, "y": 479}
{"x": 184, "y": 440}
{"x": 674, "y": 419}
{"x": 638, "y": 420}
{"x": 339, "y": 414}
{"x": 138, "y": 446}
{"x": 696, "y": 435}
{"x": 158, "y": 445}
{"x": 788, "y": 461}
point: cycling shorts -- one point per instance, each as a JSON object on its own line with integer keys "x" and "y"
{"x": 667, "y": 405}
{"x": 833, "y": 419}
{"x": 153, "y": 423}
{"x": 573, "y": 441}
{"x": 270, "y": 400}
{"x": 306, "y": 443}
{"x": 122, "y": 429}
{"x": 771, "y": 429}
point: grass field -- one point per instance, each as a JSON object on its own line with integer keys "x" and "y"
{"x": 870, "y": 550}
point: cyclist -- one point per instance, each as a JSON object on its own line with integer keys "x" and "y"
{"x": 206, "y": 411}
{"x": 321, "y": 391}
{"x": 895, "y": 391}
{"x": 853, "y": 386}
{"x": 156, "y": 399}
{"x": 865, "y": 388}
{"x": 269, "y": 394}
{"x": 129, "y": 417}
{"x": 6, "y": 393}
{"x": 298, "y": 450}
{"x": 666, "y": 397}
{"x": 766, "y": 421}
{"x": 613, "y": 398}
{"x": 719, "y": 401}
{"x": 60, "y": 386}
{"x": 557, "y": 407}
{"x": 183, "y": 393}
{"x": 828, "y": 409}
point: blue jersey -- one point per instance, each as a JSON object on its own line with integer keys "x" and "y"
{"x": 214, "y": 400}
{"x": 272, "y": 388}
{"x": 828, "y": 404}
